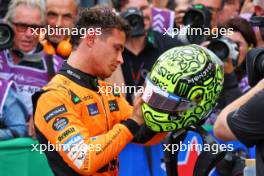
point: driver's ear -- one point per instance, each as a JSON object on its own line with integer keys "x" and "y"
{"x": 90, "y": 39}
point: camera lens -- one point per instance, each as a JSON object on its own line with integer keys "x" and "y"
{"x": 194, "y": 17}
{"x": 133, "y": 21}
{"x": 5, "y": 34}
{"x": 198, "y": 15}
{"x": 255, "y": 65}
{"x": 136, "y": 21}
{"x": 220, "y": 49}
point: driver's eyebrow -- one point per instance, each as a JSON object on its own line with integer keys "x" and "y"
{"x": 119, "y": 47}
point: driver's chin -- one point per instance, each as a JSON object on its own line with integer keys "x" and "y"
{"x": 107, "y": 74}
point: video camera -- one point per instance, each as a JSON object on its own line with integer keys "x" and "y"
{"x": 255, "y": 57}
{"x": 6, "y": 36}
{"x": 255, "y": 65}
{"x": 135, "y": 18}
{"x": 225, "y": 48}
{"x": 198, "y": 17}
{"x": 258, "y": 21}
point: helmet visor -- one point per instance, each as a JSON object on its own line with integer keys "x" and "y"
{"x": 157, "y": 98}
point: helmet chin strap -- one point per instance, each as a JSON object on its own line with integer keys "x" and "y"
{"x": 35, "y": 55}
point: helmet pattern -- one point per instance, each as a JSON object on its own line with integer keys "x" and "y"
{"x": 191, "y": 72}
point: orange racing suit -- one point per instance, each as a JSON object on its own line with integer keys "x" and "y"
{"x": 87, "y": 125}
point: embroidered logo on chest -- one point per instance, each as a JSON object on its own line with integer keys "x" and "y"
{"x": 93, "y": 109}
{"x": 113, "y": 106}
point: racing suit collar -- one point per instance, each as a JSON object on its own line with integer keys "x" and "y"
{"x": 81, "y": 78}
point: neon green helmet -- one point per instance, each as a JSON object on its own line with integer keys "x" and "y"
{"x": 182, "y": 88}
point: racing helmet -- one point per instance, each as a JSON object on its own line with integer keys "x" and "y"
{"x": 182, "y": 88}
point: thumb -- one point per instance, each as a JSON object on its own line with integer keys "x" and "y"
{"x": 138, "y": 99}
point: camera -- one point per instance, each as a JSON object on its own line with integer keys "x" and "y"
{"x": 258, "y": 21}
{"x": 225, "y": 48}
{"x": 198, "y": 15}
{"x": 255, "y": 57}
{"x": 197, "y": 18}
{"x": 6, "y": 36}
{"x": 135, "y": 18}
{"x": 255, "y": 65}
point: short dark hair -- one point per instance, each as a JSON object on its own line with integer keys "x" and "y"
{"x": 243, "y": 26}
{"x": 99, "y": 17}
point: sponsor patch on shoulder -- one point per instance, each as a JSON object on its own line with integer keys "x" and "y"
{"x": 93, "y": 109}
{"x": 60, "y": 123}
{"x": 55, "y": 112}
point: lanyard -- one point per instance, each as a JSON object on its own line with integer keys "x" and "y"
{"x": 136, "y": 74}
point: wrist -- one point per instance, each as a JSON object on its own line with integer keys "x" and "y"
{"x": 132, "y": 125}
{"x": 138, "y": 121}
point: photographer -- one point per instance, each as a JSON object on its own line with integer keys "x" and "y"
{"x": 25, "y": 62}
{"x": 200, "y": 21}
{"x": 243, "y": 36}
{"x": 236, "y": 82}
{"x": 243, "y": 120}
{"x": 237, "y": 44}
{"x": 60, "y": 14}
{"x": 214, "y": 6}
